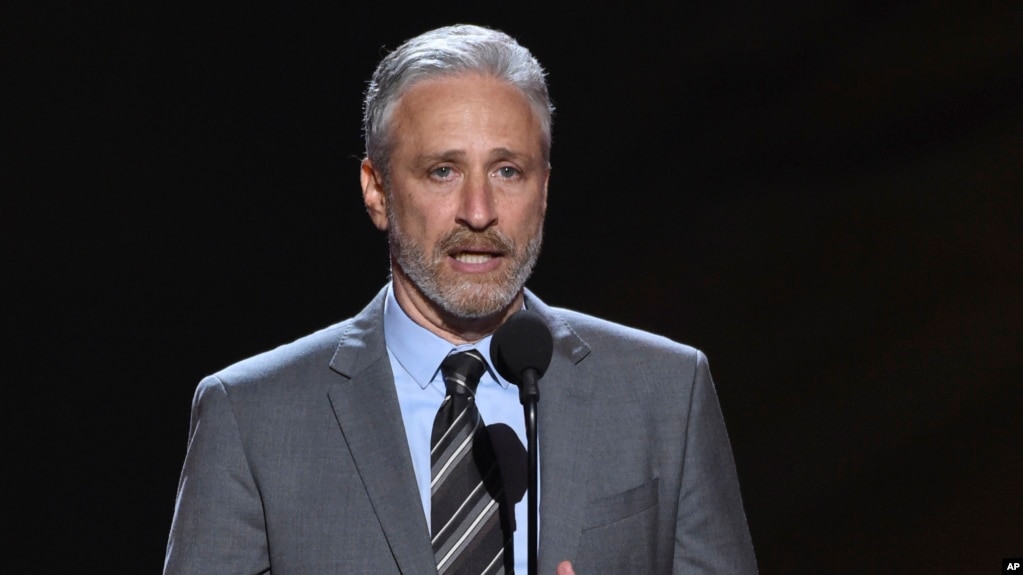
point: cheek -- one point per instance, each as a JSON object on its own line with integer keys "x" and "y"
{"x": 535, "y": 215}
{"x": 524, "y": 213}
{"x": 425, "y": 223}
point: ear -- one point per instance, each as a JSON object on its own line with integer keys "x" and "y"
{"x": 373, "y": 194}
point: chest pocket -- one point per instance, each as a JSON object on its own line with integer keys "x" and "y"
{"x": 620, "y": 533}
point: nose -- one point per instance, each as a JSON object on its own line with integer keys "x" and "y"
{"x": 477, "y": 209}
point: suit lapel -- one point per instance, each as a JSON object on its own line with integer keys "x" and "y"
{"x": 366, "y": 407}
{"x": 564, "y": 404}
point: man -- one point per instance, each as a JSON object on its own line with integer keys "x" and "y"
{"x": 315, "y": 457}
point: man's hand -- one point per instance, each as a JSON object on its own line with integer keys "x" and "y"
{"x": 565, "y": 568}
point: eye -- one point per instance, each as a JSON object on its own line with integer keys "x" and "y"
{"x": 442, "y": 173}
{"x": 508, "y": 172}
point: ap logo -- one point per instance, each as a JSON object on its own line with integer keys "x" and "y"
{"x": 1012, "y": 565}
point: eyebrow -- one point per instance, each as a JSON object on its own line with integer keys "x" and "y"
{"x": 460, "y": 156}
{"x": 506, "y": 154}
{"x": 446, "y": 156}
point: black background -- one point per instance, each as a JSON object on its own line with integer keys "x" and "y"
{"x": 824, "y": 197}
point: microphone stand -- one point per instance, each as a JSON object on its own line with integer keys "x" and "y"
{"x": 529, "y": 395}
{"x": 521, "y": 351}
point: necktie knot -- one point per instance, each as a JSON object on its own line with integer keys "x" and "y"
{"x": 462, "y": 372}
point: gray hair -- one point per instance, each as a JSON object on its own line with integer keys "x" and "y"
{"x": 450, "y": 51}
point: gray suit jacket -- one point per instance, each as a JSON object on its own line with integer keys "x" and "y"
{"x": 297, "y": 461}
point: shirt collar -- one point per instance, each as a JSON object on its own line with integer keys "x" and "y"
{"x": 419, "y": 351}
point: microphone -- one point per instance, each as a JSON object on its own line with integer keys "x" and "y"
{"x": 521, "y": 351}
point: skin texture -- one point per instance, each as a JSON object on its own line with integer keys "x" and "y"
{"x": 465, "y": 208}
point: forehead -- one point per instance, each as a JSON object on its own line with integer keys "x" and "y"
{"x": 464, "y": 106}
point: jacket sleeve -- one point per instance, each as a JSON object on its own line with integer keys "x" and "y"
{"x": 711, "y": 531}
{"x": 218, "y": 525}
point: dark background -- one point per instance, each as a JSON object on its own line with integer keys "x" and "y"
{"x": 824, "y": 197}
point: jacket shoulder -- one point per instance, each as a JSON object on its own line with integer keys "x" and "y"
{"x": 604, "y": 335}
{"x": 294, "y": 360}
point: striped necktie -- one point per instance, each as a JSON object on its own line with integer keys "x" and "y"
{"x": 466, "y": 488}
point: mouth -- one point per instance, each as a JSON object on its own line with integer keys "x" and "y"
{"x": 473, "y": 258}
{"x": 476, "y": 252}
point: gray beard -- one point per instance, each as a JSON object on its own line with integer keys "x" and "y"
{"x": 464, "y": 297}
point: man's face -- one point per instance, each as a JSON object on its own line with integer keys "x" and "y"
{"x": 467, "y": 197}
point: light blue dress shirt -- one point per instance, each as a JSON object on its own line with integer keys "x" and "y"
{"x": 416, "y": 354}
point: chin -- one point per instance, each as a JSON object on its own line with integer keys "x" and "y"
{"x": 476, "y": 302}
{"x": 475, "y": 308}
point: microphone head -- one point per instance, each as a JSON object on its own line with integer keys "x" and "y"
{"x": 523, "y": 342}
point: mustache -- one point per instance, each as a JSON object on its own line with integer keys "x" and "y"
{"x": 464, "y": 239}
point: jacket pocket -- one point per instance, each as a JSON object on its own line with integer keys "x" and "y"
{"x": 620, "y": 533}
{"x": 612, "y": 508}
